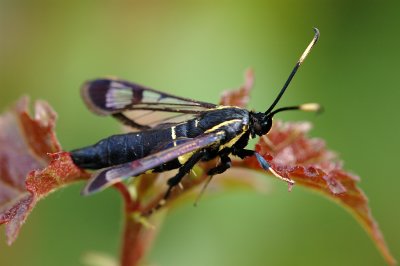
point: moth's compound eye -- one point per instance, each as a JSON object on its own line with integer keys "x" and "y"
{"x": 266, "y": 125}
{"x": 257, "y": 128}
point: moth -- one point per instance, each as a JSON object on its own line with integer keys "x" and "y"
{"x": 172, "y": 132}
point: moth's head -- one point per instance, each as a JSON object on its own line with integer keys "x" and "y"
{"x": 261, "y": 124}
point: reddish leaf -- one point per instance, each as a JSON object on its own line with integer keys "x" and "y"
{"x": 307, "y": 161}
{"x": 26, "y": 143}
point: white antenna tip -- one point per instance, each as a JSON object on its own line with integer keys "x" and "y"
{"x": 311, "y": 107}
{"x": 310, "y": 46}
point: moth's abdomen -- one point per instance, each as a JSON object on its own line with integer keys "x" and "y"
{"x": 113, "y": 150}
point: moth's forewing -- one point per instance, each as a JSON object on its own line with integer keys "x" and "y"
{"x": 109, "y": 176}
{"x": 144, "y": 106}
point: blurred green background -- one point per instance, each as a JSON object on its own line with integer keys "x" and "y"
{"x": 198, "y": 49}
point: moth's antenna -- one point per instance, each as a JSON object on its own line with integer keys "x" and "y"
{"x": 296, "y": 67}
{"x": 307, "y": 107}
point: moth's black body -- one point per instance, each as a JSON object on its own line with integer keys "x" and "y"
{"x": 124, "y": 148}
{"x": 173, "y": 132}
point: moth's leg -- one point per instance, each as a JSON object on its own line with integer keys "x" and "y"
{"x": 265, "y": 165}
{"x": 221, "y": 167}
{"x": 183, "y": 170}
{"x": 224, "y": 164}
{"x": 243, "y": 153}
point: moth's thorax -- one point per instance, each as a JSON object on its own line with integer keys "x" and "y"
{"x": 232, "y": 120}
